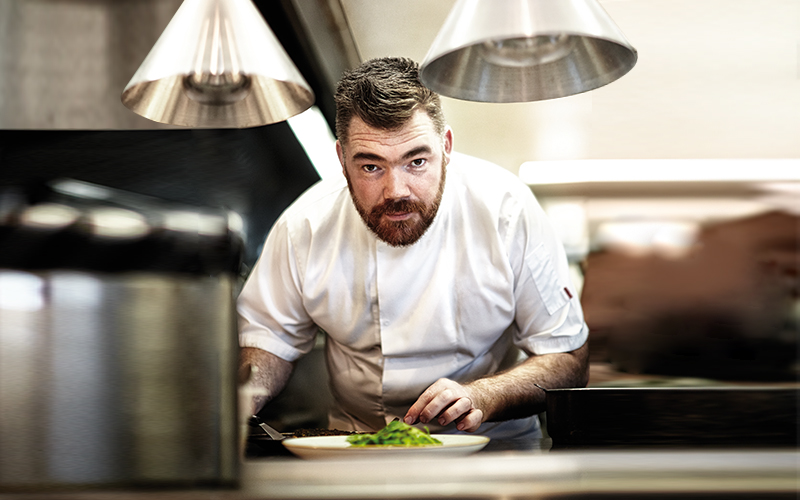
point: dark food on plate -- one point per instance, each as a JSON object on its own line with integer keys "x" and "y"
{"x": 397, "y": 433}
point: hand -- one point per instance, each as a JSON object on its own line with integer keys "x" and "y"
{"x": 446, "y": 401}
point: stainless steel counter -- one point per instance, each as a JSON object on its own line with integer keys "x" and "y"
{"x": 505, "y": 475}
{"x": 501, "y": 475}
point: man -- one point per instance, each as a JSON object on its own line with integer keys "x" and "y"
{"x": 423, "y": 267}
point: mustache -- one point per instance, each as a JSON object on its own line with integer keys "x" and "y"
{"x": 397, "y": 206}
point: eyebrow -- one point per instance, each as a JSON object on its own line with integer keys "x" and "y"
{"x": 421, "y": 150}
{"x": 367, "y": 156}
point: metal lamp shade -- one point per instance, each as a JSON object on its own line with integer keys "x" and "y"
{"x": 217, "y": 64}
{"x": 525, "y": 50}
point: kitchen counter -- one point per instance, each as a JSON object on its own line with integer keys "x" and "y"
{"x": 499, "y": 475}
{"x": 504, "y": 470}
{"x": 507, "y": 470}
{"x": 529, "y": 475}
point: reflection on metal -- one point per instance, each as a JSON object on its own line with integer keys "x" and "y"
{"x": 525, "y": 50}
{"x": 117, "y": 341}
{"x": 217, "y": 64}
{"x": 49, "y": 216}
{"x": 631, "y": 474}
{"x": 195, "y": 222}
{"x": 116, "y": 380}
{"x": 117, "y": 223}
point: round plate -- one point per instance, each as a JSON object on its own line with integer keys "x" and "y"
{"x": 338, "y": 447}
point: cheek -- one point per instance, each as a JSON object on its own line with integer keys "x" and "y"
{"x": 368, "y": 194}
{"x": 427, "y": 187}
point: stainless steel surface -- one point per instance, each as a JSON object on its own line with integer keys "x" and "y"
{"x": 277, "y": 436}
{"x": 111, "y": 380}
{"x": 217, "y": 64}
{"x": 528, "y": 475}
{"x": 525, "y": 50}
{"x": 325, "y": 25}
{"x": 710, "y": 475}
{"x": 268, "y": 430}
{"x": 64, "y": 63}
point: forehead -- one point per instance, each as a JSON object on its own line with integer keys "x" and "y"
{"x": 417, "y": 131}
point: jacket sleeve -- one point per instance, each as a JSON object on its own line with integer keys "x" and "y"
{"x": 549, "y": 316}
{"x": 270, "y": 306}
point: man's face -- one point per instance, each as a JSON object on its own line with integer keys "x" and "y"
{"x": 396, "y": 177}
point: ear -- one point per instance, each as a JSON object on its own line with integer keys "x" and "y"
{"x": 448, "y": 142}
{"x": 340, "y": 154}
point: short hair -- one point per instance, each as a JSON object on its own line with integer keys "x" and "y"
{"x": 385, "y": 93}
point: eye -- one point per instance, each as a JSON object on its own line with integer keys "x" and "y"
{"x": 418, "y": 162}
{"x": 370, "y": 168}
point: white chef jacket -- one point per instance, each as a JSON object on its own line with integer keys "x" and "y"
{"x": 487, "y": 274}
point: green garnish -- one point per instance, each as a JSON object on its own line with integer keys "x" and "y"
{"x": 397, "y": 433}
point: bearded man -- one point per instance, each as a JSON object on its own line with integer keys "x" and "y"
{"x": 424, "y": 268}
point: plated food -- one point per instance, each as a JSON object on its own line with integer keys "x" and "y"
{"x": 393, "y": 440}
{"x": 396, "y": 433}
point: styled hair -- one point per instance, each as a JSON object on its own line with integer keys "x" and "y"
{"x": 385, "y": 93}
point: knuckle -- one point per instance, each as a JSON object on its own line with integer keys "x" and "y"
{"x": 426, "y": 412}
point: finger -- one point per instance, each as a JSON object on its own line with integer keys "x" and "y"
{"x": 413, "y": 414}
{"x": 437, "y": 405}
{"x": 461, "y": 407}
{"x": 471, "y": 421}
{"x": 410, "y": 418}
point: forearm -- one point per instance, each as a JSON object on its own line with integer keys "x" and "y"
{"x": 267, "y": 374}
{"x": 513, "y": 393}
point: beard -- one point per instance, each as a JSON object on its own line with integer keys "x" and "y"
{"x": 404, "y": 232}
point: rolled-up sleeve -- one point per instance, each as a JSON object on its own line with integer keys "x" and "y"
{"x": 270, "y": 305}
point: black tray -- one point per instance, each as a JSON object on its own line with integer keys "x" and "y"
{"x": 664, "y": 416}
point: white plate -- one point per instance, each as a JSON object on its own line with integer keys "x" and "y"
{"x": 338, "y": 447}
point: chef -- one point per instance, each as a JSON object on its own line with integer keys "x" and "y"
{"x": 425, "y": 269}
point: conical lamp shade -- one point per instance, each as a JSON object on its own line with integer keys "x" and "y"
{"x": 217, "y": 64}
{"x": 525, "y": 50}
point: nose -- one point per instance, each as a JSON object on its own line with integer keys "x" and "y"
{"x": 395, "y": 184}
